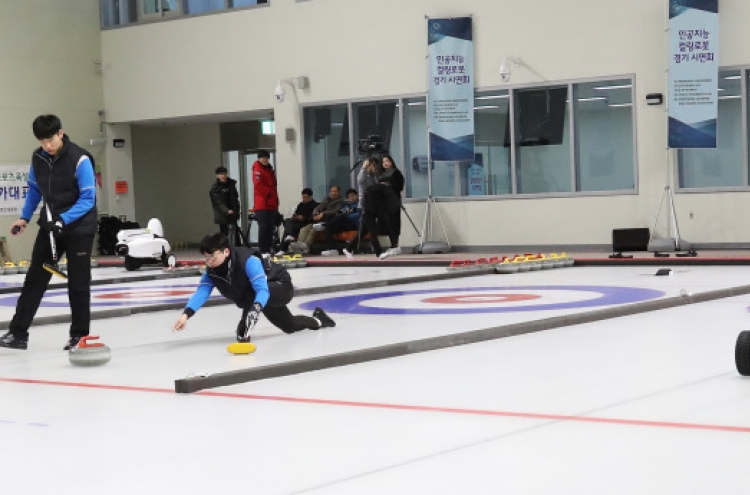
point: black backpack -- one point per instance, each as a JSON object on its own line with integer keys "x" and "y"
{"x": 275, "y": 272}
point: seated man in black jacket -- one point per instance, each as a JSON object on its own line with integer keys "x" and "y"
{"x": 302, "y": 216}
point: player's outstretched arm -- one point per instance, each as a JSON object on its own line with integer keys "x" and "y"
{"x": 179, "y": 325}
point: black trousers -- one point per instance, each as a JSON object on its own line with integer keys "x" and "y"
{"x": 78, "y": 250}
{"x": 278, "y": 313}
{"x": 266, "y": 222}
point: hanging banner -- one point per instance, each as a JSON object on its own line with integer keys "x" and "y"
{"x": 450, "y": 89}
{"x": 693, "y": 73}
{"x": 13, "y": 188}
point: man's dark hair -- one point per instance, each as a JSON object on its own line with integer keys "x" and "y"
{"x": 350, "y": 190}
{"x": 221, "y": 169}
{"x": 263, "y": 154}
{"x": 46, "y": 126}
{"x": 214, "y": 242}
{"x": 307, "y": 192}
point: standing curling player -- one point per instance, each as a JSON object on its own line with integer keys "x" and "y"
{"x": 62, "y": 175}
{"x": 241, "y": 277}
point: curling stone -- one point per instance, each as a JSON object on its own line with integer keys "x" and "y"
{"x": 507, "y": 267}
{"x": 298, "y": 260}
{"x": 86, "y": 354}
{"x": 742, "y": 353}
{"x": 23, "y": 266}
{"x": 9, "y": 268}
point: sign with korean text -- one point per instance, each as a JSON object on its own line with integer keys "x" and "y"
{"x": 693, "y": 73}
{"x": 450, "y": 89}
{"x": 13, "y": 188}
{"x": 475, "y": 174}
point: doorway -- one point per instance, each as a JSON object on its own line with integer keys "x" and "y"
{"x": 240, "y": 166}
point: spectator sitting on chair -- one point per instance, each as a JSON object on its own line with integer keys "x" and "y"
{"x": 347, "y": 218}
{"x": 327, "y": 209}
{"x": 302, "y": 216}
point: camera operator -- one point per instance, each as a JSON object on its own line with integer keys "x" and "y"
{"x": 368, "y": 176}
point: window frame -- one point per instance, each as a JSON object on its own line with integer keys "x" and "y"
{"x": 404, "y": 161}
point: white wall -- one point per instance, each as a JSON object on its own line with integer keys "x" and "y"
{"x": 173, "y": 170}
{"x": 356, "y": 49}
{"x": 47, "y": 54}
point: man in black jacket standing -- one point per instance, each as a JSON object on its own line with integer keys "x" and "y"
{"x": 226, "y": 202}
{"x": 62, "y": 176}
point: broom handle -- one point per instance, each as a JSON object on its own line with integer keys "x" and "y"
{"x": 51, "y": 233}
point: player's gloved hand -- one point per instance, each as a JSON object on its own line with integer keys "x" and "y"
{"x": 55, "y": 227}
{"x": 251, "y": 319}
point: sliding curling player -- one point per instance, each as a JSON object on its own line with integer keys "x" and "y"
{"x": 255, "y": 284}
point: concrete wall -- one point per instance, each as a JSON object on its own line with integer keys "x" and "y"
{"x": 48, "y": 51}
{"x": 357, "y": 49}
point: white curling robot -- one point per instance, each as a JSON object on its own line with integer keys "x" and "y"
{"x": 144, "y": 246}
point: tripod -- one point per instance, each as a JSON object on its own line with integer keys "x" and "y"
{"x": 235, "y": 233}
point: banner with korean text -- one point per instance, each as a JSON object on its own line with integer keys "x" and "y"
{"x": 13, "y": 188}
{"x": 693, "y": 73}
{"x": 450, "y": 89}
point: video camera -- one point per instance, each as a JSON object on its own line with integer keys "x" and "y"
{"x": 371, "y": 144}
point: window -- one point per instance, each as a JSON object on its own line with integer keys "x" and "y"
{"x": 541, "y": 138}
{"x": 492, "y": 156}
{"x": 191, "y": 7}
{"x": 159, "y": 8}
{"x": 415, "y": 147}
{"x": 604, "y": 135}
{"x": 123, "y": 12}
{"x": 573, "y": 138}
{"x": 327, "y": 148}
{"x": 723, "y": 166}
{"x": 118, "y": 12}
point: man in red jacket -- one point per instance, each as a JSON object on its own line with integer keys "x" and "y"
{"x": 266, "y": 200}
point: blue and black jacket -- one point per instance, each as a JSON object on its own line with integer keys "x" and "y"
{"x": 67, "y": 185}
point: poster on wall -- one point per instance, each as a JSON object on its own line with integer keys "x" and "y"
{"x": 13, "y": 188}
{"x": 475, "y": 174}
{"x": 450, "y": 89}
{"x": 693, "y": 73}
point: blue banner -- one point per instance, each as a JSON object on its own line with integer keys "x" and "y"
{"x": 450, "y": 89}
{"x": 693, "y": 73}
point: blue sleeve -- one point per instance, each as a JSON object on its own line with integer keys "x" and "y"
{"x": 199, "y": 298}
{"x": 257, "y": 277}
{"x": 33, "y": 197}
{"x": 86, "y": 191}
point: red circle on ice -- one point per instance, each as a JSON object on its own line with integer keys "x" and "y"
{"x": 481, "y": 298}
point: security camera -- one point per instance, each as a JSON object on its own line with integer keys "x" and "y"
{"x": 505, "y": 71}
{"x": 279, "y": 92}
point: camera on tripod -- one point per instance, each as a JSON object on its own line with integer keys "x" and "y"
{"x": 371, "y": 144}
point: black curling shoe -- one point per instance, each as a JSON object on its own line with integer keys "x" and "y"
{"x": 325, "y": 320}
{"x": 71, "y": 343}
{"x": 12, "y": 342}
